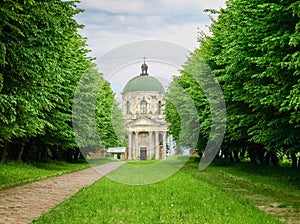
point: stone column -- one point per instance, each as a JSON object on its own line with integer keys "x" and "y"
{"x": 133, "y": 145}
{"x": 171, "y": 144}
{"x": 164, "y": 145}
{"x": 136, "y": 152}
{"x": 150, "y": 150}
{"x": 130, "y": 146}
{"x": 156, "y": 145}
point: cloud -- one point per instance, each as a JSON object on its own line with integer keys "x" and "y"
{"x": 109, "y": 24}
{"x": 112, "y": 24}
{"x": 191, "y": 5}
{"x": 115, "y": 5}
{"x": 153, "y": 7}
{"x": 120, "y": 22}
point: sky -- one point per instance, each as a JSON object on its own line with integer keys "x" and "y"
{"x": 120, "y": 33}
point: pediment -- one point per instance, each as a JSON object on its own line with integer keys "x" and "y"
{"x": 145, "y": 121}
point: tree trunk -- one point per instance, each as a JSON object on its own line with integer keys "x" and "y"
{"x": 5, "y": 152}
{"x": 256, "y": 153}
{"x": 252, "y": 157}
{"x": 76, "y": 154}
{"x": 231, "y": 157}
{"x": 294, "y": 160}
{"x": 268, "y": 159}
{"x": 28, "y": 150}
{"x": 225, "y": 153}
{"x": 274, "y": 159}
{"x": 243, "y": 153}
{"x": 236, "y": 156}
{"x": 20, "y": 153}
{"x": 54, "y": 154}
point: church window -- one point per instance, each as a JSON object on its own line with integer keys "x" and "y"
{"x": 127, "y": 107}
{"x": 143, "y": 107}
{"x": 159, "y": 107}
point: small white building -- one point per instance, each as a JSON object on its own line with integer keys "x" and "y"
{"x": 117, "y": 152}
{"x": 143, "y": 106}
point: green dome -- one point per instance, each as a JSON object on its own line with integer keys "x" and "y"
{"x": 144, "y": 83}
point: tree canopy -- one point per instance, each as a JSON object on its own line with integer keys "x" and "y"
{"x": 253, "y": 50}
{"x": 42, "y": 59}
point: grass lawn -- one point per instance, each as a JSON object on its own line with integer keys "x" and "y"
{"x": 275, "y": 190}
{"x": 16, "y": 173}
{"x": 188, "y": 196}
{"x": 277, "y": 178}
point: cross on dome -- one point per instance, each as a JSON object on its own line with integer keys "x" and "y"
{"x": 144, "y": 67}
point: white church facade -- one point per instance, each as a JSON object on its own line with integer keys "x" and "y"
{"x": 143, "y": 106}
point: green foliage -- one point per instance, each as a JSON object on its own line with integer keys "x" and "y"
{"x": 184, "y": 97}
{"x": 109, "y": 119}
{"x": 40, "y": 49}
{"x": 118, "y": 124}
{"x": 254, "y": 53}
{"x": 85, "y": 110}
{"x": 195, "y": 90}
{"x": 97, "y": 120}
{"x": 42, "y": 59}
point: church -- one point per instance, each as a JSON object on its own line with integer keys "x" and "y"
{"x": 143, "y": 106}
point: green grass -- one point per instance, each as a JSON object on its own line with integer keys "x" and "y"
{"x": 143, "y": 162}
{"x": 188, "y": 196}
{"x": 147, "y": 172}
{"x": 17, "y": 173}
{"x": 270, "y": 188}
{"x": 100, "y": 161}
{"x": 277, "y": 178}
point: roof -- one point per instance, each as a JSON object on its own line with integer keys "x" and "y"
{"x": 142, "y": 121}
{"x": 144, "y": 83}
{"x": 117, "y": 150}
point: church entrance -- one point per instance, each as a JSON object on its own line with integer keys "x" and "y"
{"x": 143, "y": 153}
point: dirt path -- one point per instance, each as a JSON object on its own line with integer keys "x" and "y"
{"x": 24, "y": 203}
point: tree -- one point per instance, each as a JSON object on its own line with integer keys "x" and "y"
{"x": 252, "y": 51}
{"x": 42, "y": 58}
{"x": 109, "y": 119}
{"x": 97, "y": 120}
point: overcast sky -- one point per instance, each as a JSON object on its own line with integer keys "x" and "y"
{"x": 111, "y": 24}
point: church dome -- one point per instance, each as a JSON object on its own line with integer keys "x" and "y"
{"x": 144, "y": 83}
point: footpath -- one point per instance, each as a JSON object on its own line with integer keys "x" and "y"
{"x": 24, "y": 203}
